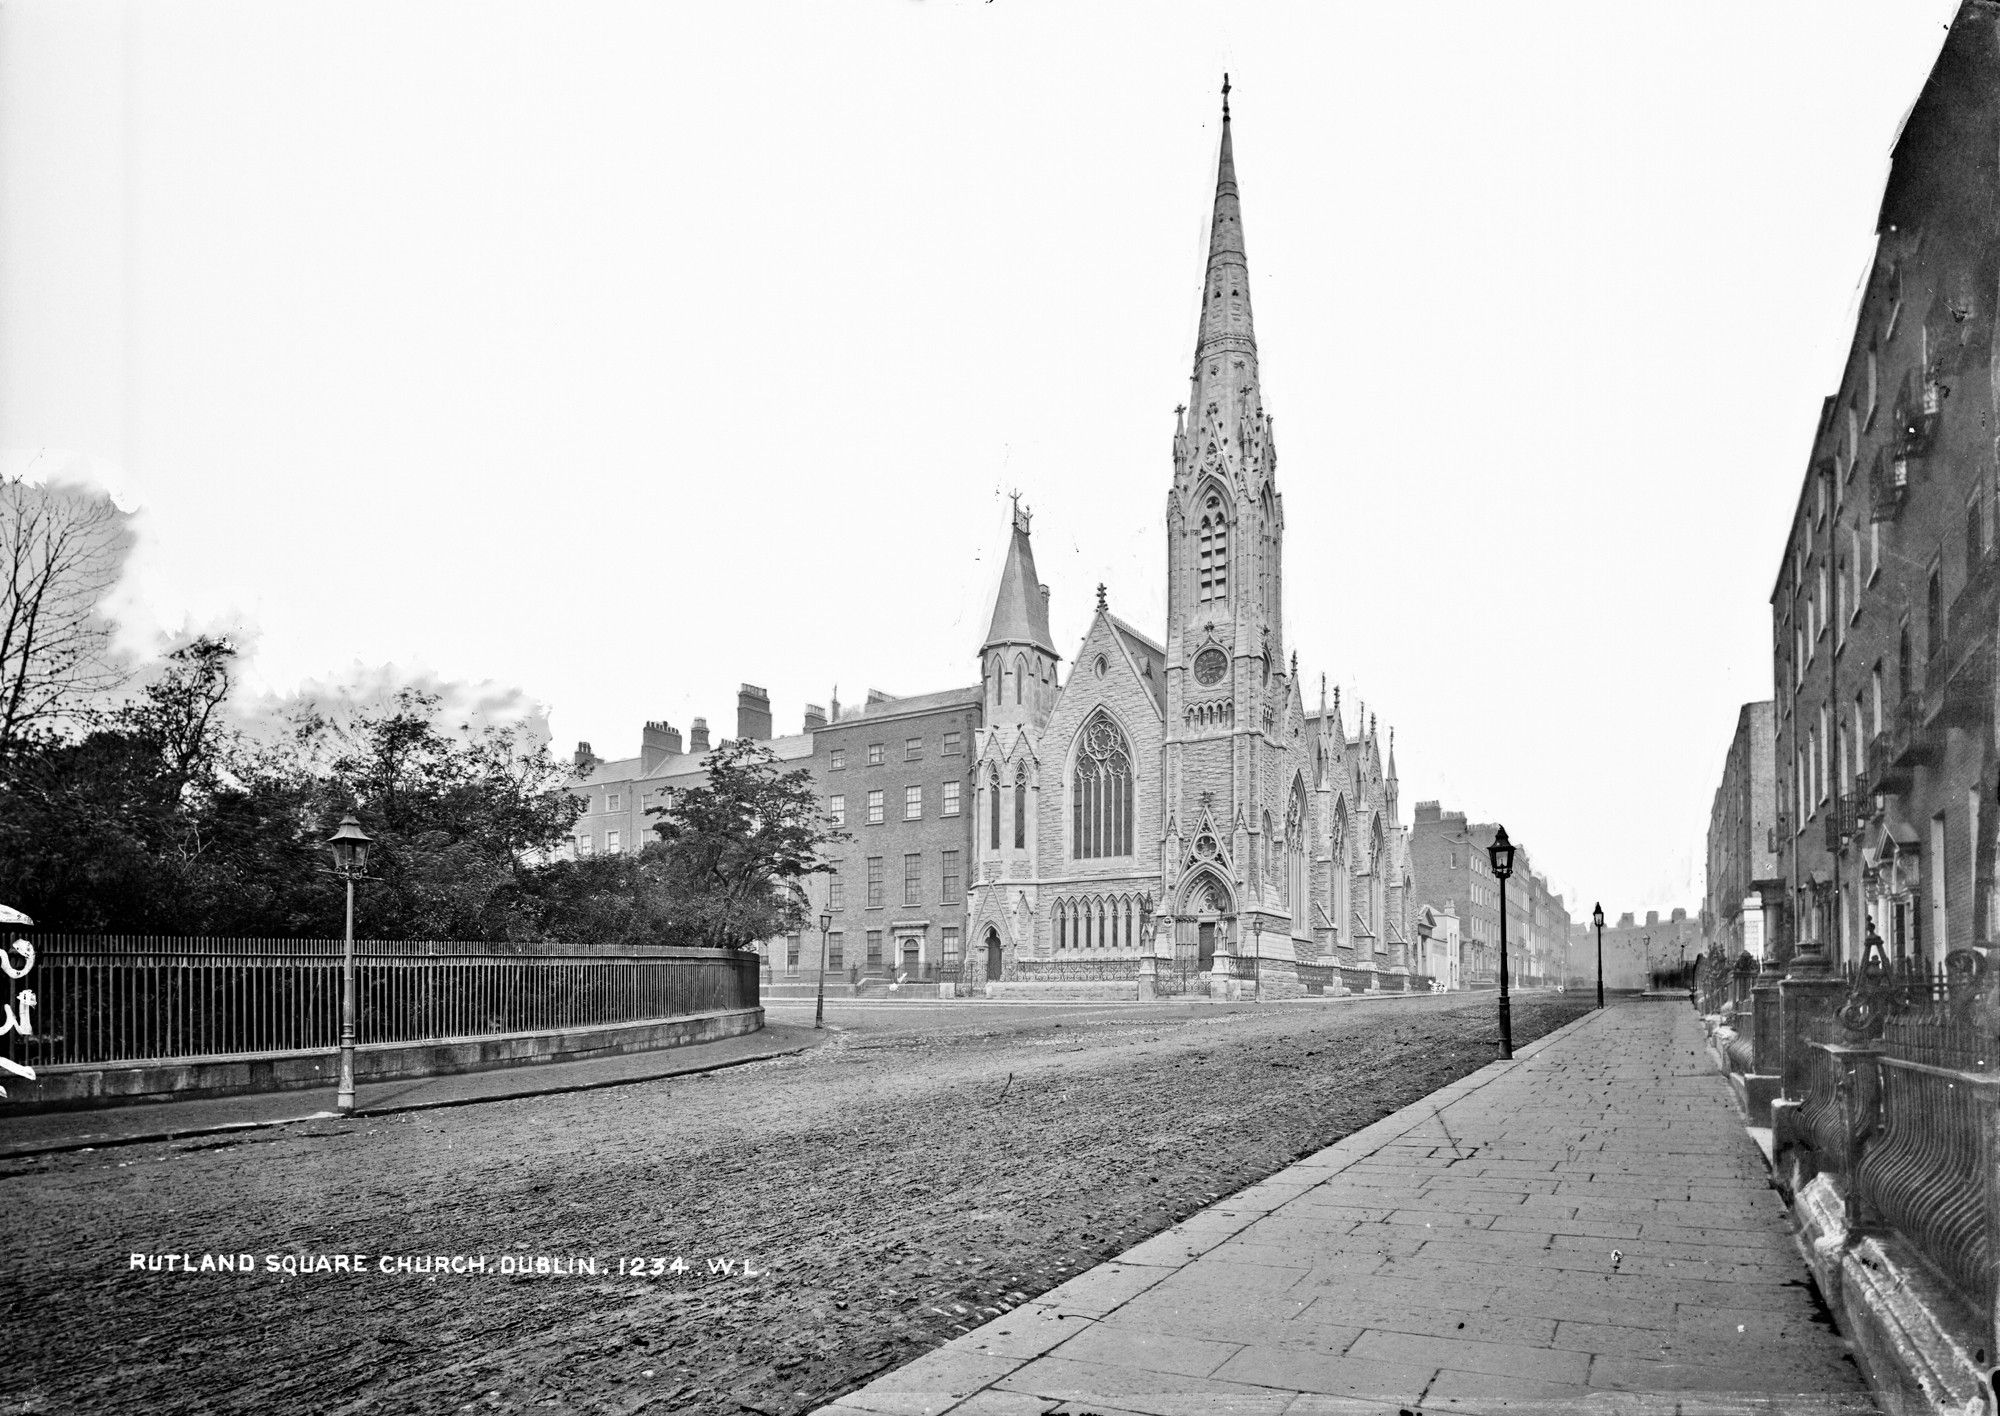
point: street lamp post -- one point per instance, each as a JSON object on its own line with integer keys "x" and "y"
{"x": 349, "y": 845}
{"x": 1501, "y": 853}
{"x": 1257, "y": 955}
{"x": 825, "y": 929}
{"x": 1597, "y": 918}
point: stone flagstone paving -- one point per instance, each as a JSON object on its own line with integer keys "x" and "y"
{"x": 1587, "y": 1229}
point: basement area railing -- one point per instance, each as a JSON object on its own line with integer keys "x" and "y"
{"x": 1898, "y": 1096}
{"x": 131, "y": 998}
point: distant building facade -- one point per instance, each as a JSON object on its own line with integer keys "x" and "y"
{"x": 1451, "y": 869}
{"x": 1743, "y": 840}
{"x": 1633, "y": 950}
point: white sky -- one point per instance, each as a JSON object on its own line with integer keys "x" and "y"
{"x": 624, "y": 353}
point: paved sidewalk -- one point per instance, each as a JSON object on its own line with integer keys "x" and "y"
{"x": 1586, "y": 1229}
{"x": 171, "y": 1120}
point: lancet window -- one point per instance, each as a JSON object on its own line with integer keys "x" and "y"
{"x": 1212, "y": 553}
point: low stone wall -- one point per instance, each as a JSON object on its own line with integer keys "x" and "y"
{"x": 1048, "y": 970}
{"x": 1113, "y": 990}
{"x": 81, "y": 1086}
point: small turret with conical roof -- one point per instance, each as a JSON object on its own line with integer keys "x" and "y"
{"x": 1018, "y": 660}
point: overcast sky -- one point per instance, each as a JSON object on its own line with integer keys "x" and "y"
{"x": 624, "y": 353}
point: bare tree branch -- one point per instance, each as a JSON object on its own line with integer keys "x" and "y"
{"x": 62, "y": 549}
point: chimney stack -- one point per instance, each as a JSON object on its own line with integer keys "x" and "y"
{"x": 584, "y": 757}
{"x": 1652, "y": 919}
{"x": 753, "y": 713}
{"x": 657, "y": 743}
{"x": 815, "y": 718}
{"x": 698, "y": 736}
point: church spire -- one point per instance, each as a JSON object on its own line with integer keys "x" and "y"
{"x": 1020, "y": 610}
{"x": 1018, "y": 659}
{"x": 1226, "y": 325}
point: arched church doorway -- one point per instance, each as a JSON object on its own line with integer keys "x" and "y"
{"x": 992, "y": 956}
{"x": 1203, "y": 923}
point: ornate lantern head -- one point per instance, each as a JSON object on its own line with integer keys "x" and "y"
{"x": 349, "y": 846}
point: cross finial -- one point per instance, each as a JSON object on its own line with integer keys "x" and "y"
{"x": 1021, "y": 515}
{"x": 1100, "y": 595}
{"x": 1225, "y": 98}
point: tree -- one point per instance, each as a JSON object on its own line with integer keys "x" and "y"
{"x": 738, "y": 848}
{"x": 62, "y": 548}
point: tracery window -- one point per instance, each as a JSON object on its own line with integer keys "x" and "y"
{"x": 993, "y": 807}
{"x": 1212, "y": 553}
{"x": 1295, "y": 859}
{"x": 1021, "y": 807}
{"x": 1101, "y": 792}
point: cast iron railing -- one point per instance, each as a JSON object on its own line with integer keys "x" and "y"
{"x": 1900, "y": 1108}
{"x": 125, "y": 998}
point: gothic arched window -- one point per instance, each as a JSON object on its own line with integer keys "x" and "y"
{"x": 1212, "y": 553}
{"x": 1021, "y": 807}
{"x": 1100, "y": 792}
{"x": 1020, "y": 675}
{"x": 1295, "y": 859}
{"x": 993, "y": 806}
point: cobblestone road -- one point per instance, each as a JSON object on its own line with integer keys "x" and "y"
{"x": 889, "y": 1191}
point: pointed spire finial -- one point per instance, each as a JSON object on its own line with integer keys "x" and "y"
{"x": 1225, "y": 97}
{"x": 1322, "y": 696}
{"x": 1100, "y": 595}
{"x": 1021, "y": 514}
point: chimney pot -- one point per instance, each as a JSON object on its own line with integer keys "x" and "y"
{"x": 658, "y": 742}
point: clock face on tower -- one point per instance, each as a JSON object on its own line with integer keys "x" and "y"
{"x": 1209, "y": 667}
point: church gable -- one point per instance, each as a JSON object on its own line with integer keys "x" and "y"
{"x": 1111, "y": 701}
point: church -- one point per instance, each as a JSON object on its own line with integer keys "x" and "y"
{"x": 1170, "y": 812}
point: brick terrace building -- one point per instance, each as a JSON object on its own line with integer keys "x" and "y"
{"x": 1450, "y": 869}
{"x": 1743, "y": 839}
{"x": 898, "y": 776}
{"x": 894, "y": 773}
{"x": 1883, "y": 609}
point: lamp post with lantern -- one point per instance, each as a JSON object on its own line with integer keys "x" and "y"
{"x": 349, "y": 845}
{"x": 1597, "y": 918}
{"x": 1501, "y": 854}
{"x": 825, "y": 929}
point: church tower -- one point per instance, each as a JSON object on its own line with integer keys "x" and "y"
{"x": 1228, "y": 685}
{"x": 1018, "y": 659}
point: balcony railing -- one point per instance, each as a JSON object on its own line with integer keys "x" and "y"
{"x": 1916, "y": 740}
{"x": 1889, "y": 485}
{"x": 1886, "y": 770}
{"x": 1917, "y": 411}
